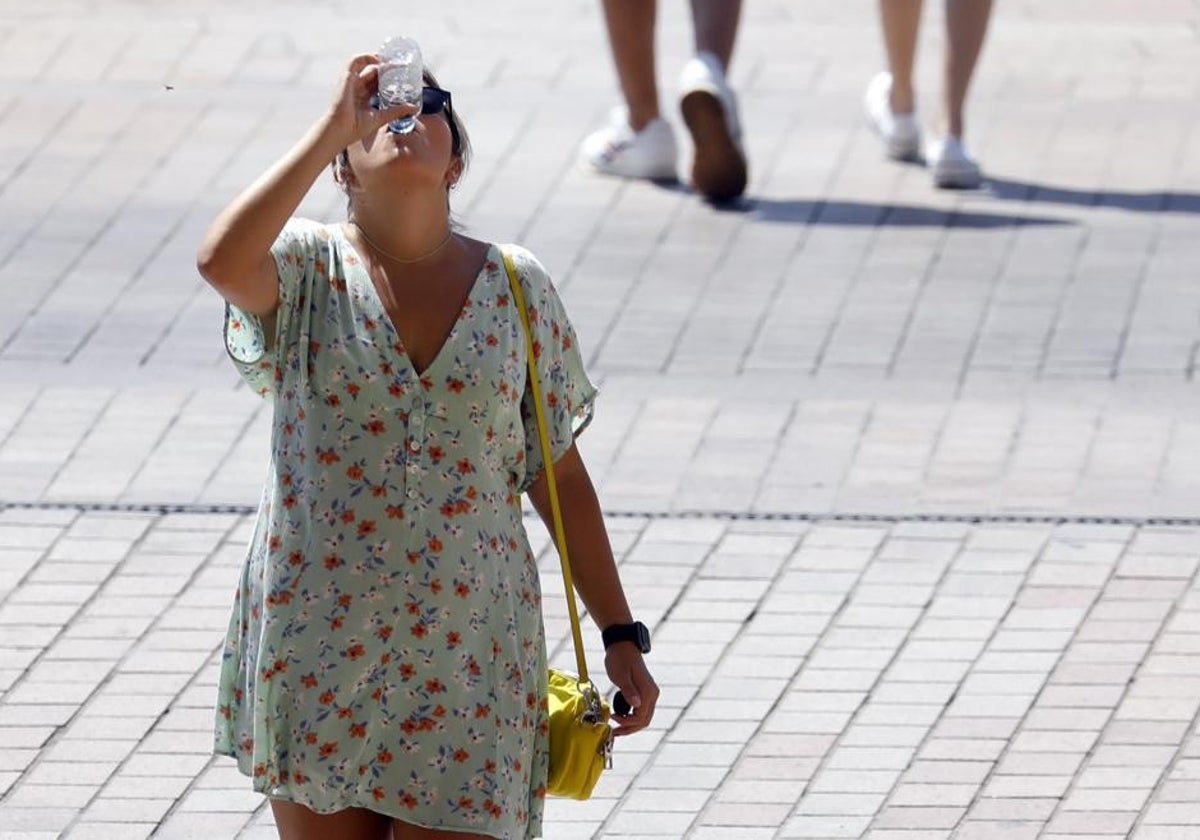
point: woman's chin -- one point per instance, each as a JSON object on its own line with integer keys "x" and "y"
{"x": 407, "y": 173}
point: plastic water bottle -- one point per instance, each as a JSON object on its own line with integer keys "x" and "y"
{"x": 401, "y": 78}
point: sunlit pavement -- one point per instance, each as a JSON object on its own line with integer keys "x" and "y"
{"x": 906, "y": 481}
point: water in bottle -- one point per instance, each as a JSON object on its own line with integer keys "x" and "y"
{"x": 400, "y": 78}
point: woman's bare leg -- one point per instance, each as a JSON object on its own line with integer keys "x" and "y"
{"x": 716, "y": 25}
{"x": 296, "y": 822}
{"x": 966, "y": 26}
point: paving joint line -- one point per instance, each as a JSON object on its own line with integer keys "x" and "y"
{"x": 115, "y": 672}
{"x": 1162, "y": 632}
{"x": 627, "y": 298}
{"x": 805, "y": 228}
{"x": 1027, "y": 582}
{"x": 975, "y": 518}
{"x": 839, "y": 738}
{"x": 696, "y": 575}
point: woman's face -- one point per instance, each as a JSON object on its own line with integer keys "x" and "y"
{"x": 423, "y": 158}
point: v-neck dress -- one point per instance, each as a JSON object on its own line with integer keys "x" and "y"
{"x": 386, "y": 647}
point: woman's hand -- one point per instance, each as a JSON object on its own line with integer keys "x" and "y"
{"x": 627, "y": 669}
{"x": 351, "y": 115}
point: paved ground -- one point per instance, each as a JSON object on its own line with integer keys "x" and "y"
{"x": 907, "y": 481}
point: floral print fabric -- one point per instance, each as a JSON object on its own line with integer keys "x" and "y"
{"x": 386, "y": 647}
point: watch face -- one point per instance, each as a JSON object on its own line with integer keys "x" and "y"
{"x": 636, "y": 633}
{"x": 643, "y": 637}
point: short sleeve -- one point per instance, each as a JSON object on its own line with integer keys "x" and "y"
{"x": 256, "y": 346}
{"x": 568, "y": 394}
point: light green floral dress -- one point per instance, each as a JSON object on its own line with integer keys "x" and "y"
{"x": 386, "y": 647}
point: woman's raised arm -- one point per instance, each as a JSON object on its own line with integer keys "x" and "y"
{"x": 235, "y": 254}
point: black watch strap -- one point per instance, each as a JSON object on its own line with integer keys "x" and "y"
{"x": 635, "y": 632}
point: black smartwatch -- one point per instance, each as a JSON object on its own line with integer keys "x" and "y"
{"x": 636, "y": 633}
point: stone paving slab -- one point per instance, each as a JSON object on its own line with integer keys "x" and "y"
{"x": 1128, "y": 448}
{"x": 1052, "y": 312}
{"x": 821, "y": 679}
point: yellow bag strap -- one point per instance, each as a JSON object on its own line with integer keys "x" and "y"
{"x": 560, "y": 535}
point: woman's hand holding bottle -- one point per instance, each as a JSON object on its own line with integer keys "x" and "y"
{"x": 353, "y": 114}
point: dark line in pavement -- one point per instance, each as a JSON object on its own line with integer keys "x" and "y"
{"x": 200, "y": 509}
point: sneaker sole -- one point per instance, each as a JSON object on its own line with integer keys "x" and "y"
{"x": 718, "y": 168}
{"x": 957, "y": 179}
{"x": 908, "y": 151}
{"x": 658, "y": 176}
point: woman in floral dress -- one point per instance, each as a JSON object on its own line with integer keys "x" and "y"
{"x": 384, "y": 674}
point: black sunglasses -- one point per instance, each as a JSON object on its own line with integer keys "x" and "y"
{"x": 434, "y": 100}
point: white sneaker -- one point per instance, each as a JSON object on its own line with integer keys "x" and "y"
{"x": 710, "y": 111}
{"x": 901, "y": 133}
{"x": 618, "y": 150}
{"x": 951, "y": 165}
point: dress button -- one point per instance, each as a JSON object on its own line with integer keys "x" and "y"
{"x": 412, "y": 492}
{"x": 414, "y": 445}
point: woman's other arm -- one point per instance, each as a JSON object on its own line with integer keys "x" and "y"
{"x": 597, "y": 580}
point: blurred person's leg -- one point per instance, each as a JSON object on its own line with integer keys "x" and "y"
{"x": 708, "y": 104}
{"x": 890, "y": 100}
{"x": 966, "y": 26}
{"x": 630, "y": 26}
{"x": 716, "y": 26}
{"x": 901, "y": 22}
{"x": 637, "y": 142}
{"x": 949, "y": 161}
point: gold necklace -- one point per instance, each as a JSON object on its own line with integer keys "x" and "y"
{"x": 390, "y": 256}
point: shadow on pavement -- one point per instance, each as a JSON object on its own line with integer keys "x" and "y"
{"x": 866, "y": 214}
{"x": 1137, "y": 202}
{"x": 869, "y": 214}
